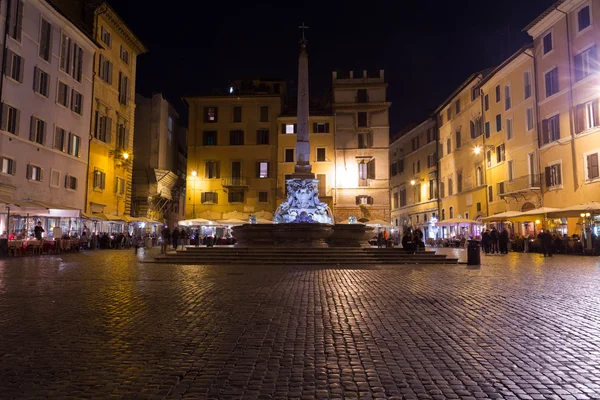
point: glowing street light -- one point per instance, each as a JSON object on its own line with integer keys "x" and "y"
{"x": 125, "y": 156}
{"x": 477, "y": 150}
{"x": 194, "y": 173}
{"x": 413, "y": 182}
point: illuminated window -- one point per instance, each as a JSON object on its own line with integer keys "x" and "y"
{"x": 211, "y": 114}
{"x": 262, "y": 169}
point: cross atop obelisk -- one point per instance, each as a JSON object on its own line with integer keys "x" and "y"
{"x": 303, "y": 168}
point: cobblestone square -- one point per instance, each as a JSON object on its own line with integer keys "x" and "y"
{"x": 105, "y": 325}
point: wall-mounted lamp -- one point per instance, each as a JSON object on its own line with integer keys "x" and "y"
{"x": 415, "y": 181}
{"x": 477, "y": 149}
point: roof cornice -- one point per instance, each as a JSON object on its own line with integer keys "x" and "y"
{"x": 119, "y": 25}
{"x": 551, "y": 16}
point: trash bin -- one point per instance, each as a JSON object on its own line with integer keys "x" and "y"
{"x": 209, "y": 241}
{"x": 473, "y": 253}
{"x": 148, "y": 242}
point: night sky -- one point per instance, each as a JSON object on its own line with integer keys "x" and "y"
{"x": 427, "y": 48}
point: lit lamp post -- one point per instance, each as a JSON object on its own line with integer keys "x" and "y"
{"x": 587, "y": 230}
{"x": 194, "y": 175}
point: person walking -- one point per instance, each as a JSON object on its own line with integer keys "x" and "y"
{"x": 494, "y": 240}
{"x": 379, "y": 239}
{"x": 486, "y": 240}
{"x": 385, "y": 237}
{"x": 175, "y": 238}
{"x": 504, "y": 241}
{"x": 166, "y": 239}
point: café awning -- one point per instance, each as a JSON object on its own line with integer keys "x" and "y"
{"x": 457, "y": 221}
{"x": 503, "y": 216}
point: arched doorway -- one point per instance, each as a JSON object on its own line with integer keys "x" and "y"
{"x": 527, "y": 206}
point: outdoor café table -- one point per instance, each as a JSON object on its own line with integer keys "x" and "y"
{"x": 48, "y": 246}
{"x": 15, "y": 246}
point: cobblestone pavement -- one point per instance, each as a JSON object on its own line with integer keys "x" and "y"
{"x": 103, "y": 325}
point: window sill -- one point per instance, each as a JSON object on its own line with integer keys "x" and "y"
{"x": 589, "y": 131}
{"x": 35, "y": 181}
{"x": 555, "y": 188}
{"x": 98, "y": 190}
{"x": 41, "y": 95}
{"x": 11, "y": 79}
{"x": 71, "y": 190}
{"x": 589, "y": 181}
{"x": 236, "y": 202}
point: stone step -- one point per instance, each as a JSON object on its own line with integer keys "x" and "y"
{"x": 167, "y": 260}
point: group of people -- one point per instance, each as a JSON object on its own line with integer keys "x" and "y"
{"x": 495, "y": 242}
{"x": 412, "y": 240}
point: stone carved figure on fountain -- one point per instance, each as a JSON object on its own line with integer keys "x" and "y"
{"x": 303, "y": 204}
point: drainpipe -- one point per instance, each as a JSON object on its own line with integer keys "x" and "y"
{"x": 537, "y": 122}
{"x": 484, "y": 155}
{"x": 5, "y": 47}
{"x": 571, "y": 119}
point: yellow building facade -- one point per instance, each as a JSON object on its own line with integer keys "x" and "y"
{"x": 322, "y": 154}
{"x": 232, "y": 154}
{"x": 462, "y": 188}
{"x": 510, "y": 140}
{"x": 413, "y": 179}
{"x": 113, "y": 110}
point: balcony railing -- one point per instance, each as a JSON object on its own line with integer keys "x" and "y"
{"x": 519, "y": 185}
{"x": 234, "y": 182}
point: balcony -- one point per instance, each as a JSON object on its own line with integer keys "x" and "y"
{"x": 234, "y": 182}
{"x": 520, "y": 185}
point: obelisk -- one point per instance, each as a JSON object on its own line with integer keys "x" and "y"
{"x": 303, "y": 168}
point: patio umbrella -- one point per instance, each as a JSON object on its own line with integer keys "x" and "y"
{"x": 576, "y": 210}
{"x": 504, "y": 216}
{"x": 196, "y": 222}
{"x": 231, "y": 222}
{"x": 379, "y": 223}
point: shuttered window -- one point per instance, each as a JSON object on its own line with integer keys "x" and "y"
{"x": 592, "y": 166}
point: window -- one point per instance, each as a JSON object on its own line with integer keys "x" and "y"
{"x": 10, "y": 119}
{"x": 448, "y": 146}
{"x": 262, "y": 136}
{"x": 510, "y": 165}
{"x": 458, "y": 140}
{"x": 211, "y": 114}
{"x": 486, "y": 102}
{"x": 209, "y": 198}
{"x": 77, "y": 62}
{"x": 547, "y": 43}
{"x": 416, "y": 167}
{"x": 74, "y": 145}
{"x": 41, "y": 82}
{"x": 362, "y": 173}
{"x": 289, "y": 129}
{"x": 37, "y": 130}
{"x": 443, "y": 214}
{"x": 99, "y": 179}
{"x": 498, "y": 123}
{"x": 105, "y": 70}
{"x": 415, "y": 143}
{"x": 431, "y": 135}
{"x": 509, "y": 129}
{"x": 431, "y": 189}
{"x": 70, "y": 182}
{"x": 451, "y": 212}
{"x": 60, "y": 139}
{"x": 35, "y": 173}
{"x": 321, "y": 152}
{"x": 321, "y": 127}
{"x": 488, "y": 157}
{"x": 448, "y": 113}
{"x": 490, "y": 194}
{"x": 45, "y": 49}
{"x": 550, "y": 129}
{"x": 264, "y": 113}
{"x": 527, "y": 84}
{"x": 362, "y": 119}
{"x": 122, "y": 141}
{"x": 262, "y": 169}
{"x": 63, "y": 94}
{"x": 417, "y": 193}
{"x": 500, "y": 153}
{"x": 361, "y": 96}
{"x": 209, "y": 138}
{"x": 586, "y": 116}
{"x": 15, "y": 27}
{"x": 553, "y": 175}
{"x": 364, "y": 200}
{"x": 459, "y": 182}
{"x": 395, "y": 200}
{"x": 124, "y": 55}
{"x": 76, "y": 102}
{"x": 65, "y": 54}
{"x": 14, "y": 66}
{"x": 479, "y": 176}
{"x": 211, "y": 170}
{"x": 507, "y": 98}
{"x": 119, "y": 186}
{"x": 236, "y": 196}
{"x": 402, "y": 197}
{"x": 103, "y": 129}
{"x": 497, "y": 93}
{"x": 431, "y": 161}
{"x": 263, "y": 197}
{"x": 442, "y": 189}
{"x": 237, "y": 114}
{"x": 365, "y": 140}
{"x": 586, "y": 63}
{"x": 583, "y": 18}
{"x": 475, "y": 93}
{"x": 169, "y": 129}
{"x": 551, "y": 79}
{"x": 106, "y": 36}
{"x": 478, "y": 207}
{"x": 123, "y": 89}
{"x": 450, "y": 187}
{"x": 8, "y": 166}
{"x": 457, "y": 106}
{"x": 591, "y": 161}
{"x": 487, "y": 129}
{"x": 394, "y": 169}
{"x": 236, "y": 138}
{"x": 401, "y": 166}
{"x": 529, "y": 118}
{"x": 289, "y": 155}
{"x": 472, "y": 129}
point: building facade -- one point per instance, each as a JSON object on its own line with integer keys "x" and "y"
{"x": 413, "y": 179}
{"x": 321, "y": 136}
{"x": 113, "y": 113}
{"x": 361, "y": 146}
{"x": 232, "y": 153}
{"x": 565, "y": 40}
{"x": 158, "y": 189}
{"x": 462, "y": 187}
{"x": 510, "y": 141}
{"x": 46, "y": 95}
